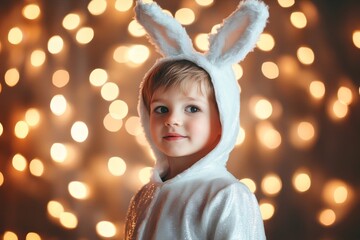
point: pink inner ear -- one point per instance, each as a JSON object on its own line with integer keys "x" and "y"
{"x": 236, "y": 31}
{"x": 161, "y": 38}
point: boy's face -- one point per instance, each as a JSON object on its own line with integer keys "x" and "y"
{"x": 184, "y": 124}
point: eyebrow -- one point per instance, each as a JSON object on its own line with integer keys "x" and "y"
{"x": 187, "y": 98}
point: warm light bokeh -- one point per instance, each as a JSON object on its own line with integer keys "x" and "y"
{"x": 301, "y": 180}
{"x": 106, "y": 229}
{"x": 73, "y": 150}
{"x": 185, "y": 16}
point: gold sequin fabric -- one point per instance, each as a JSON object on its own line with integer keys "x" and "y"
{"x": 137, "y": 210}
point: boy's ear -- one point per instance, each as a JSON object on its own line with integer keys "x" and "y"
{"x": 238, "y": 34}
{"x": 167, "y": 34}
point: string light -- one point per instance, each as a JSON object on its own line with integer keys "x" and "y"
{"x": 36, "y": 167}
{"x": 266, "y": 42}
{"x": 327, "y": 217}
{"x": 118, "y": 109}
{"x": 144, "y": 175}
{"x": 31, "y": 11}
{"x": 12, "y": 77}
{"x": 19, "y": 162}
{"x": 135, "y": 29}
{"x": 335, "y": 192}
{"x": 298, "y": 19}
{"x": 344, "y": 95}
{"x": 317, "y": 89}
{"x": 116, "y": 166}
{"x": 71, "y": 21}
{"x": 123, "y": 5}
{"x": 138, "y": 54}
{"x": 1, "y": 179}
{"x": 68, "y": 220}
{"x": 78, "y": 190}
{"x": 32, "y": 236}
{"x": 202, "y": 41}
{"x": 79, "y": 131}
{"x": 133, "y": 126}
{"x": 58, "y": 105}
{"x": 8, "y": 235}
{"x": 60, "y": 78}
{"x": 121, "y": 54}
{"x": 110, "y": 91}
{"x": 55, "y": 208}
{"x": 106, "y": 229}
{"x": 97, "y": 7}
{"x": 268, "y": 136}
{"x": 356, "y": 38}
{"x": 337, "y": 110}
{"x": 286, "y": 3}
{"x": 84, "y": 35}
{"x": 305, "y": 55}
{"x": 301, "y": 180}
{"x": 32, "y": 117}
{"x": 205, "y": 3}
{"x": 98, "y": 77}
{"x": 185, "y": 16}
{"x": 15, "y": 36}
{"x": 267, "y": 210}
{"x": 112, "y": 124}
{"x": 58, "y": 152}
{"x": 55, "y": 44}
{"x": 21, "y": 129}
{"x": 303, "y": 134}
{"x": 270, "y": 70}
{"x": 37, "y": 58}
{"x": 263, "y": 109}
{"x": 271, "y": 184}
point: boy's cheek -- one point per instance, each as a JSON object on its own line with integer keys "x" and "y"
{"x": 199, "y": 127}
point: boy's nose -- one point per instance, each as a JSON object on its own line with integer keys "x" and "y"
{"x": 173, "y": 120}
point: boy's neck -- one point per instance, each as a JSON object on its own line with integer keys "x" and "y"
{"x": 178, "y": 165}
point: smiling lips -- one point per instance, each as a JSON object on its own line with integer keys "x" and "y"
{"x": 173, "y": 137}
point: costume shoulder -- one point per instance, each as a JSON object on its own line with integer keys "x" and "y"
{"x": 138, "y": 207}
{"x": 233, "y": 213}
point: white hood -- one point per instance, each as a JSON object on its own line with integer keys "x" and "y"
{"x": 233, "y": 41}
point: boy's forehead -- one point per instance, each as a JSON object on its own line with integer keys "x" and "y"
{"x": 193, "y": 91}
{"x": 186, "y": 85}
{"x": 179, "y": 88}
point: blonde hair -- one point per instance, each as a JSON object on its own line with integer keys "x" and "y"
{"x": 179, "y": 73}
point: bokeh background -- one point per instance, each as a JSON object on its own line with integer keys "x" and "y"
{"x": 72, "y": 152}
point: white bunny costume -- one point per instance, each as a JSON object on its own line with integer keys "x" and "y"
{"x": 205, "y": 201}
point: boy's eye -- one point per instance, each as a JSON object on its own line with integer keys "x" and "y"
{"x": 192, "y": 109}
{"x": 161, "y": 109}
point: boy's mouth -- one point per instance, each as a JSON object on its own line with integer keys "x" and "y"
{"x": 173, "y": 136}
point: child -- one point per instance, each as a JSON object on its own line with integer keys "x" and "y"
{"x": 189, "y": 108}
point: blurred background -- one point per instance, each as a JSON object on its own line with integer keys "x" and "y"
{"x": 72, "y": 153}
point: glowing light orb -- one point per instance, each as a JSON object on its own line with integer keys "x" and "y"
{"x": 106, "y": 229}
{"x": 79, "y": 131}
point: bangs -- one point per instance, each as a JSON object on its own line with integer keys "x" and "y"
{"x": 183, "y": 74}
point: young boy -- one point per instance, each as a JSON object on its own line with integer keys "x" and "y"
{"x": 185, "y": 202}
{"x": 189, "y": 108}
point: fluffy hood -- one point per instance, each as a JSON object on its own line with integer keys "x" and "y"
{"x": 235, "y": 38}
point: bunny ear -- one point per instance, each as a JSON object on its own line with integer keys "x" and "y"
{"x": 239, "y": 33}
{"x": 167, "y": 34}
